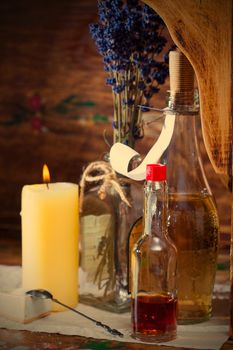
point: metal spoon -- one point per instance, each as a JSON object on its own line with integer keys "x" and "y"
{"x": 44, "y": 294}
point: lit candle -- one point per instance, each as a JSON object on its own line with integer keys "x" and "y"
{"x": 50, "y": 239}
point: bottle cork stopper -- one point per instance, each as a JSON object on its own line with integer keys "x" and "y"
{"x": 181, "y": 79}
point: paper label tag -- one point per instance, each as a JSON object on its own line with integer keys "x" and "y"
{"x": 120, "y": 154}
{"x": 94, "y": 231}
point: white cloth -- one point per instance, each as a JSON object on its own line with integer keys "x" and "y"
{"x": 206, "y": 335}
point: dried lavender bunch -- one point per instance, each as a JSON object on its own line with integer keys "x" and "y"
{"x": 129, "y": 37}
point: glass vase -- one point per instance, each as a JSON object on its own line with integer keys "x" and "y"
{"x": 105, "y": 223}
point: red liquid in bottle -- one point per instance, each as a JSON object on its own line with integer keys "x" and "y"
{"x": 154, "y": 314}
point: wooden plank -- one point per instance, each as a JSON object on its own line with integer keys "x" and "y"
{"x": 203, "y": 31}
{"x": 23, "y": 339}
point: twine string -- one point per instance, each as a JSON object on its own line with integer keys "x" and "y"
{"x": 107, "y": 175}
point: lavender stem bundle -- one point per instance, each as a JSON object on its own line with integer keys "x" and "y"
{"x": 129, "y": 37}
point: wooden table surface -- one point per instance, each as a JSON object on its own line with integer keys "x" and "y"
{"x": 10, "y": 254}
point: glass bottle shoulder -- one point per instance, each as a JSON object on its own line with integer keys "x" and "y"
{"x": 154, "y": 244}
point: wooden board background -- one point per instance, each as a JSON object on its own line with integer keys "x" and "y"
{"x": 46, "y": 49}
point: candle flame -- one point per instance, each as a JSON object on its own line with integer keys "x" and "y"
{"x": 46, "y": 175}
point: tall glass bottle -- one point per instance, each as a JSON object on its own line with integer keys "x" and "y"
{"x": 153, "y": 266}
{"x": 194, "y": 224}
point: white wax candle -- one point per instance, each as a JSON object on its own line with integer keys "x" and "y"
{"x": 50, "y": 240}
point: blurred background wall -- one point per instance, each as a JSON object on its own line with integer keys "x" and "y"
{"x": 55, "y": 105}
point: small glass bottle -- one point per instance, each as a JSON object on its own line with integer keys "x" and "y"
{"x": 153, "y": 266}
{"x": 193, "y": 224}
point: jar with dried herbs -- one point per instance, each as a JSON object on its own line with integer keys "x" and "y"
{"x": 108, "y": 210}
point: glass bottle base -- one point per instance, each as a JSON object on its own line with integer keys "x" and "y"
{"x": 155, "y": 337}
{"x": 193, "y": 316}
{"x": 106, "y": 304}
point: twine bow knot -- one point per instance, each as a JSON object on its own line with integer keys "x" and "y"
{"x": 107, "y": 175}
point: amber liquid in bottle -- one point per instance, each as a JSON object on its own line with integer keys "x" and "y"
{"x": 156, "y": 314}
{"x": 194, "y": 229}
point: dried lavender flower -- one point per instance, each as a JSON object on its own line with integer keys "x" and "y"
{"x": 129, "y": 37}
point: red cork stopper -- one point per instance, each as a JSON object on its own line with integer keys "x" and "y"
{"x": 156, "y": 172}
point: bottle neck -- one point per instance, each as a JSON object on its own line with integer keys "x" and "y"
{"x": 183, "y": 159}
{"x": 155, "y": 208}
{"x": 184, "y": 101}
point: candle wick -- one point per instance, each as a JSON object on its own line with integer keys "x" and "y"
{"x": 47, "y": 184}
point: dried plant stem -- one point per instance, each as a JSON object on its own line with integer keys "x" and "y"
{"x": 106, "y": 261}
{"x": 127, "y": 116}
